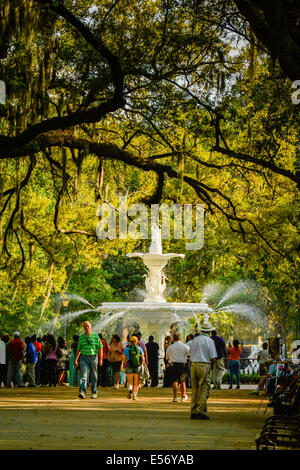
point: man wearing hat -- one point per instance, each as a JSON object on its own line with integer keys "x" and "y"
{"x": 16, "y": 351}
{"x": 203, "y": 355}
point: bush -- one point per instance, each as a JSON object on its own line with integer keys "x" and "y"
{"x": 245, "y": 378}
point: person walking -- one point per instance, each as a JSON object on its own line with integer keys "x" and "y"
{"x": 103, "y": 370}
{"x": 188, "y": 383}
{"x": 234, "y": 363}
{"x": 89, "y": 353}
{"x": 31, "y": 360}
{"x": 167, "y": 382}
{"x": 203, "y": 355}
{"x": 62, "y": 361}
{"x": 177, "y": 358}
{"x": 153, "y": 357}
{"x": 219, "y": 367}
{"x": 51, "y": 357}
{"x": 115, "y": 353}
{"x": 3, "y": 365}
{"x": 15, "y": 364}
{"x": 142, "y": 345}
{"x": 43, "y": 379}
{"x": 133, "y": 359}
{"x": 38, "y": 346}
{"x": 73, "y": 372}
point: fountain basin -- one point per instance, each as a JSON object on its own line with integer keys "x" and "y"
{"x": 152, "y": 309}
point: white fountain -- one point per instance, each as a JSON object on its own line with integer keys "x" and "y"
{"x": 155, "y": 315}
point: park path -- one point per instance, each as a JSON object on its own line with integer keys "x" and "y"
{"x": 56, "y": 419}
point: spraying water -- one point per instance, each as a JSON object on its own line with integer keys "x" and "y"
{"x": 212, "y": 293}
{"x": 107, "y": 318}
{"x": 79, "y": 299}
{"x": 245, "y": 310}
{"x": 68, "y": 317}
{"x": 241, "y": 290}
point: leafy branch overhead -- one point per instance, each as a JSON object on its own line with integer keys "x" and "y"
{"x": 165, "y": 101}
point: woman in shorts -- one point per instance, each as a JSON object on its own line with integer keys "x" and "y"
{"x": 133, "y": 371}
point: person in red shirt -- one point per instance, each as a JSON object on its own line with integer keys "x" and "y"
{"x": 16, "y": 351}
{"x": 234, "y": 363}
{"x": 103, "y": 370}
{"x": 38, "y": 346}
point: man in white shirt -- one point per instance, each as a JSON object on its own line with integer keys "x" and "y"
{"x": 176, "y": 355}
{"x": 203, "y": 355}
{"x": 263, "y": 358}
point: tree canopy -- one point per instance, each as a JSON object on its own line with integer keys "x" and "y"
{"x": 182, "y": 101}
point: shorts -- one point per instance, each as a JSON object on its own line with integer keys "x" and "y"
{"x": 178, "y": 372}
{"x": 132, "y": 369}
{"x": 116, "y": 366}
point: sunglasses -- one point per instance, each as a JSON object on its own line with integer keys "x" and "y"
{"x": 88, "y": 341}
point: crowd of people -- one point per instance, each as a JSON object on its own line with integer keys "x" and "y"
{"x": 48, "y": 361}
{"x": 35, "y": 361}
{"x": 227, "y": 357}
{"x": 91, "y": 361}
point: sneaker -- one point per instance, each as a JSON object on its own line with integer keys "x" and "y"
{"x": 175, "y": 399}
{"x": 134, "y": 397}
{"x": 94, "y": 395}
{"x": 184, "y": 398}
{"x": 129, "y": 394}
{"x": 230, "y": 386}
{"x": 81, "y": 395}
{"x": 237, "y": 386}
{"x": 254, "y": 392}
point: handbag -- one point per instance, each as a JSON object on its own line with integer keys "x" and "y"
{"x": 144, "y": 373}
{"x": 114, "y": 357}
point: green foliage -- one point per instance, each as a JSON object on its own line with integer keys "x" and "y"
{"x": 245, "y": 378}
{"x": 183, "y": 66}
{"x": 92, "y": 285}
{"x": 124, "y": 275}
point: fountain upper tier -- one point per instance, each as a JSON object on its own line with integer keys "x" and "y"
{"x": 155, "y": 315}
{"x": 155, "y": 261}
{"x": 155, "y": 308}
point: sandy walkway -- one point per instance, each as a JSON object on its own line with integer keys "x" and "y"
{"x": 45, "y": 418}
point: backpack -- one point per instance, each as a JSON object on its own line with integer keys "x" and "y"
{"x": 134, "y": 355}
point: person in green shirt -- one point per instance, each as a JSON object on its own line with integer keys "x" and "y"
{"x": 89, "y": 353}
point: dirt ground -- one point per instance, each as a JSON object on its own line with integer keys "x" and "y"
{"x": 56, "y": 419}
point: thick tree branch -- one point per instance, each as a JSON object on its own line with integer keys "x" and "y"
{"x": 112, "y": 152}
{"x": 276, "y": 25}
{"x": 260, "y": 162}
{"x": 11, "y": 145}
{"x": 114, "y": 63}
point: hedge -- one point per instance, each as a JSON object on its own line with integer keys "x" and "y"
{"x": 245, "y": 378}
